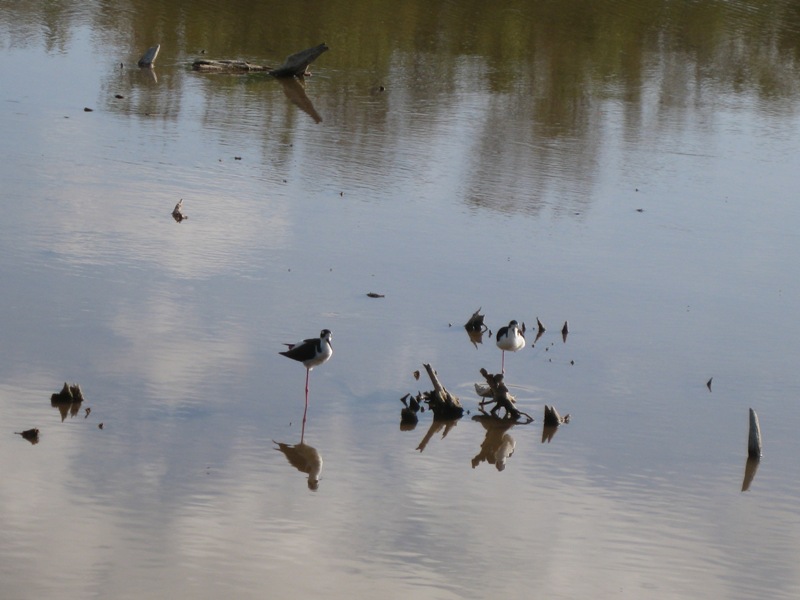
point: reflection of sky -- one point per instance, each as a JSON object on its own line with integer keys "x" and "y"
{"x": 173, "y": 331}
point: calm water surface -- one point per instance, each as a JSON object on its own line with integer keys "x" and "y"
{"x": 630, "y": 168}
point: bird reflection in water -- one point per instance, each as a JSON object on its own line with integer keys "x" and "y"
{"x": 303, "y": 457}
{"x": 498, "y": 445}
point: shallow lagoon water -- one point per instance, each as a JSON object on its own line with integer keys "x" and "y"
{"x": 636, "y": 182}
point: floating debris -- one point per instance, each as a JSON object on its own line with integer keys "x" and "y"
{"x": 32, "y": 435}
{"x": 375, "y": 295}
{"x": 177, "y": 212}
{"x": 87, "y": 109}
{"x": 118, "y": 96}
{"x": 416, "y": 374}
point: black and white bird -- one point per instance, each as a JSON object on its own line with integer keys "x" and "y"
{"x": 511, "y": 339}
{"x": 311, "y": 352}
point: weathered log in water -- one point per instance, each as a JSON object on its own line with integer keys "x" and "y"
{"x": 442, "y": 403}
{"x": 149, "y": 58}
{"x": 295, "y": 65}
{"x": 500, "y": 397}
{"x": 227, "y": 66}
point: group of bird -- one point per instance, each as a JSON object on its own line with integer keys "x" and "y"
{"x": 313, "y": 352}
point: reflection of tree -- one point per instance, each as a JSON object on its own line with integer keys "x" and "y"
{"x": 522, "y": 92}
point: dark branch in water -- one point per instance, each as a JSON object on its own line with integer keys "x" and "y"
{"x": 295, "y": 65}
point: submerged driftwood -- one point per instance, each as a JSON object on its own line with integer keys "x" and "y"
{"x": 227, "y": 66}
{"x": 295, "y": 65}
{"x": 443, "y": 404}
{"x": 497, "y": 393}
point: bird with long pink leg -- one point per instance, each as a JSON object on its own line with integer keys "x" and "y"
{"x": 311, "y": 352}
{"x": 510, "y": 339}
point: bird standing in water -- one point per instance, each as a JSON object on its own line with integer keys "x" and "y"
{"x": 510, "y": 338}
{"x": 311, "y": 352}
